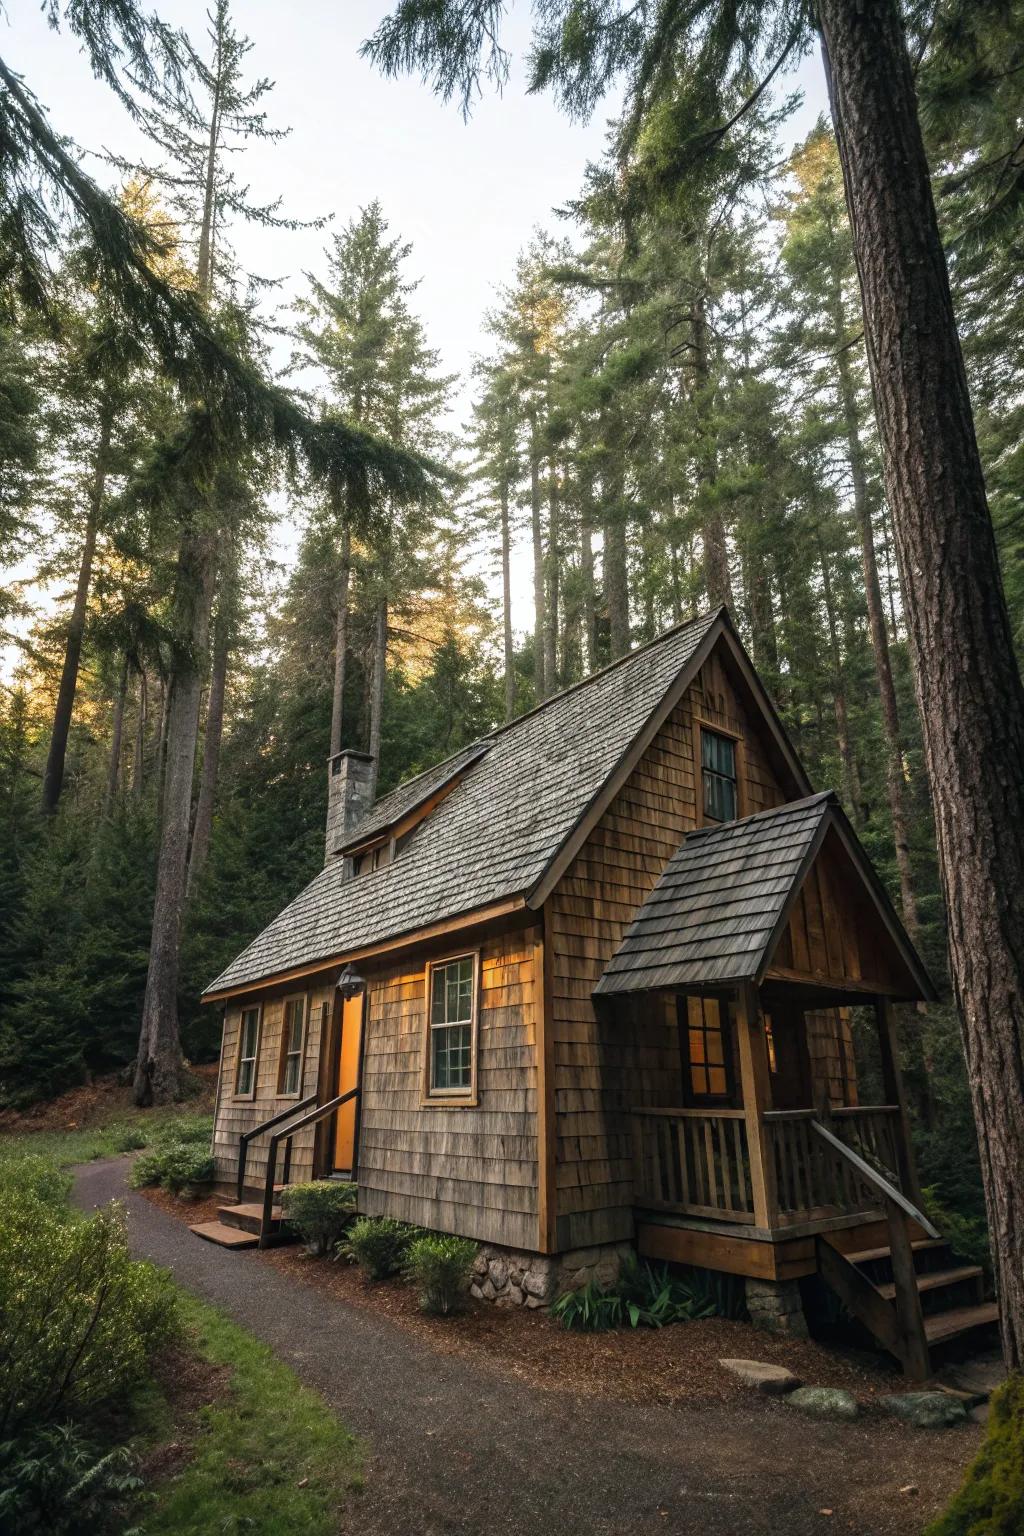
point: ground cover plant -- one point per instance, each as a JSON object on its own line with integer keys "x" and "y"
{"x": 644, "y": 1296}
{"x": 319, "y": 1212}
{"x": 991, "y": 1501}
{"x": 378, "y": 1244}
{"x": 440, "y": 1266}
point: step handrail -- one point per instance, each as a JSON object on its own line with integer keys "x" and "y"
{"x": 909, "y": 1340}
{"x": 874, "y": 1178}
{"x": 311, "y": 1118}
{"x": 257, "y": 1130}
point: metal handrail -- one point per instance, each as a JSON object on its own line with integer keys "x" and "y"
{"x": 257, "y": 1130}
{"x": 871, "y": 1176}
{"x": 319, "y": 1113}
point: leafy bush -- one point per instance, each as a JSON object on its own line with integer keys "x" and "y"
{"x": 967, "y": 1235}
{"x": 79, "y": 1320}
{"x": 129, "y": 1138}
{"x": 36, "y": 1177}
{"x": 319, "y": 1212}
{"x": 175, "y": 1166}
{"x": 52, "y": 1482}
{"x": 188, "y": 1129}
{"x": 440, "y": 1265}
{"x": 992, "y": 1497}
{"x": 645, "y": 1296}
{"x": 378, "y": 1244}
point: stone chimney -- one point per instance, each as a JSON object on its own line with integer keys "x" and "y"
{"x": 349, "y": 796}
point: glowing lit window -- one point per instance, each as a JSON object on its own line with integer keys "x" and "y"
{"x": 769, "y": 1040}
{"x": 707, "y": 1048}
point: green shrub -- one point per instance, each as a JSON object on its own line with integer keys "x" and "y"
{"x": 37, "y": 1177}
{"x": 645, "y": 1296}
{"x": 52, "y": 1482}
{"x": 319, "y": 1212}
{"x": 176, "y": 1166}
{"x": 128, "y": 1138}
{"x": 190, "y": 1129}
{"x": 377, "y": 1244}
{"x": 440, "y": 1265}
{"x": 967, "y": 1235}
{"x": 79, "y": 1320}
{"x": 991, "y": 1501}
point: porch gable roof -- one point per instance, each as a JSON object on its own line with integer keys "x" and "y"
{"x": 716, "y": 915}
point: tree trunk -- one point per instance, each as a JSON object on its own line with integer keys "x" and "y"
{"x": 139, "y": 755}
{"x": 380, "y": 662}
{"x": 539, "y": 604}
{"x": 894, "y": 756}
{"x": 116, "y": 735}
{"x": 509, "y": 655}
{"x": 159, "y": 767}
{"x": 968, "y": 685}
{"x": 614, "y": 566}
{"x": 53, "y": 777}
{"x": 158, "y": 1063}
{"x": 341, "y": 639}
{"x": 587, "y": 572}
{"x": 716, "y": 550}
{"x": 553, "y": 584}
{"x": 847, "y": 758}
{"x": 212, "y": 736}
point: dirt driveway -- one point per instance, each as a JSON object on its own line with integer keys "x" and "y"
{"x": 458, "y": 1446}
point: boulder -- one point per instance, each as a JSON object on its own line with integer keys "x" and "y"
{"x": 925, "y": 1410}
{"x": 773, "y": 1379}
{"x": 824, "y": 1402}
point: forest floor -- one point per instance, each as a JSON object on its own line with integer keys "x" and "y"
{"x": 610, "y": 1436}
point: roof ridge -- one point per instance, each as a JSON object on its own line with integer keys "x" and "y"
{"x": 707, "y": 618}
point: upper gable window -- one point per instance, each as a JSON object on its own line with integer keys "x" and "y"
{"x": 718, "y": 771}
{"x": 451, "y": 1022}
{"x": 373, "y": 858}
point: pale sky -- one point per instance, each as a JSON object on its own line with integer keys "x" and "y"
{"x": 467, "y": 195}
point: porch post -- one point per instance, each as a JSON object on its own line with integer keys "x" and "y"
{"x": 755, "y": 1087}
{"x": 892, "y": 1081}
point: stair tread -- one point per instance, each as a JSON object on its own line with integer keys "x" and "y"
{"x": 225, "y": 1237}
{"x": 935, "y": 1280}
{"x": 868, "y": 1255}
{"x": 946, "y": 1325}
{"x": 252, "y": 1208}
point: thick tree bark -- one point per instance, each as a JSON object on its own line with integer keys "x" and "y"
{"x": 341, "y": 638}
{"x": 589, "y": 601}
{"x": 508, "y": 646}
{"x": 968, "y": 685}
{"x": 116, "y": 737}
{"x": 202, "y": 828}
{"x": 894, "y": 756}
{"x": 53, "y": 776}
{"x": 540, "y": 679}
{"x": 380, "y": 662}
{"x": 158, "y": 1063}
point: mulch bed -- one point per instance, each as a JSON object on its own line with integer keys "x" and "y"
{"x": 678, "y": 1364}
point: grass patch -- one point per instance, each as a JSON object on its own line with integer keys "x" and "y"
{"x": 128, "y": 1132}
{"x": 269, "y": 1457}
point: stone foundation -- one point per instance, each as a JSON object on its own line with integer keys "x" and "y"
{"x": 775, "y": 1306}
{"x": 511, "y": 1278}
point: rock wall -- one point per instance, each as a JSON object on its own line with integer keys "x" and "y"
{"x": 512, "y": 1278}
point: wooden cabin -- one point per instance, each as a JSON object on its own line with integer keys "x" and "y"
{"x": 587, "y": 986}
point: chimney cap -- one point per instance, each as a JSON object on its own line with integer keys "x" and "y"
{"x": 335, "y": 758}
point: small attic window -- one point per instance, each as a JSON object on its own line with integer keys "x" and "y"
{"x": 373, "y": 858}
{"x": 718, "y": 772}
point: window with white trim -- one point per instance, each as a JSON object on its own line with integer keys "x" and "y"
{"x": 451, "y": 1020}
{"x": 248, "y": 1052}
{"x": 293, "y": 1039}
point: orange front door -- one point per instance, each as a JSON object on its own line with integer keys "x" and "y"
{"x": 348, "y": 1077}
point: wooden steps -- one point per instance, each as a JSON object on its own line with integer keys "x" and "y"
{"x": 944, "y": 1326}
{"x": 937, "y": 1279}
{"x": 224, "y": 1236}
{"x": 249, "y": 1216}
{"x": 950, "y": 1300}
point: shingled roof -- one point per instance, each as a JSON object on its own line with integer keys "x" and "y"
{"x": 499, "y": 830}
{"x": 715, "y": 916}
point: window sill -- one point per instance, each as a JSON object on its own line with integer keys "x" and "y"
{"x": 455, "y": 1101}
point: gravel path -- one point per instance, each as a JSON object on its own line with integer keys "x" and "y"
{"x": 455, "y": 1446}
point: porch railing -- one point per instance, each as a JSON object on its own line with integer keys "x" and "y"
{"x": 693, "y": 1161}
{"x": 812, "y": 1180}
